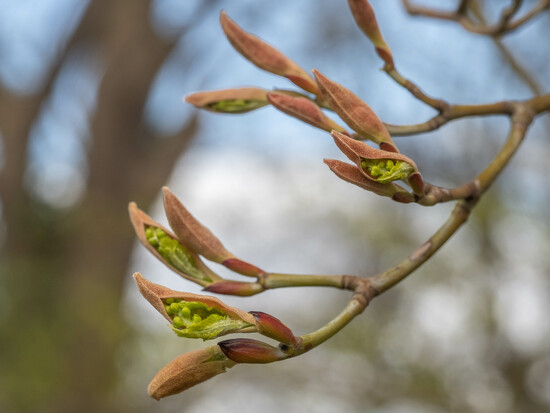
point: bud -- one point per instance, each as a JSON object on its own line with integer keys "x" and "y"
{"x": 191, "y": 232}
{"x": 239, "y": 100}
{"x": 366, "y": 20}
{"x": 353, "y": 175}
{"x": 187, "y": 370}
{"x": 167, "y": 248}
{"x": 238, "y": 288}
{"x": 272, "y": 327}
{"x": 304, "y": 109}
{"x": 242, "y": 267}
{"x": 194, "y": 315}
{"x": 246, "y": 350}
{"x": 378, "y": 165}
{"x": 356, "y": 113}
{"x": 264, "y": 56}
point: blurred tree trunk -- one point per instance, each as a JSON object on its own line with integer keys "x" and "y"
{"x": 63, "y": 271}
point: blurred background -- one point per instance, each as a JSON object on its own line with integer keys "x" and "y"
{"x": 91, "y": 117}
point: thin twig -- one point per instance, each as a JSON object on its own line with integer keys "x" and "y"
{"x": 521, "y": 119}
{"x": 504, "y": 25}
{"x": 438, "y": 104}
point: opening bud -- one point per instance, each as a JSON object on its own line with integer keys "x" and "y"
{"x": 379, "y": 165}
{"x": 386, "y": 170}
{"x": 194, "y": 315}
{"x": 354, "y": 175}
{"x": 167, "y": 248}
{"x": 246, "y": 350}
{"x": 239, "y": 100}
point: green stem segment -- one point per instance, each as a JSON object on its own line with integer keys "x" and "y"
{"x": 273, "y": 280}
{"x": 387, "y": 279}
{"x": 309, "y": 341}
{"x": 538, "y": 104}
{"x": 521, "y": 119}
{"x": 452, "y": 112}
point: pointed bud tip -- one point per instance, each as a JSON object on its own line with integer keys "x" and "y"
{"x": 190, "y": 232}
{"x": 274, "y": 328}
{"x": 238, "y": 288}
{"x": 242, "y": 267}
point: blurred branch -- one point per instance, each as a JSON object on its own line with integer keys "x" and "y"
{"x": 87, "y": 247}
{"x": 504, "y": 25}
{"x": 18, "y": 114}
{"x": 452, "y": 112}
{"x": 516, "y": 66}
{"x": 437, "y": 104}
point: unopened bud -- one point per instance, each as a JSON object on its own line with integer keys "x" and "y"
{"x": 304, "y": 109}
{"x": 265, "y": 56}
{"x": 242, "y": 267}
{"x": 356, "y": 113}
{"x": 366, "y": 20}
{"x": 238, "y": 288}
{"x": 272, "y": 327}
{"x": 187, "y": 370}
{"x": 246, "y": 350}
{"x": 191, "y": 232}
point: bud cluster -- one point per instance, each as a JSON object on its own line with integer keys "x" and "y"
{"x": 376, "y": 169}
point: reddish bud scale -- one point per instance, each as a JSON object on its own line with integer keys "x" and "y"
{"x": 354, "y": 111}
{"x": 188, "y": 370}
{"x": 265, "y": 56}
{"x": 191, "y": 232}
{"x": 403, "y": 197}
{"x": 305, "y": 83}
{"x": 246, "y": 350}
{"x": 365, "y": 18}
{"x": 303, "y": 109}
{"x": 416, "y": 183}
{"x": 272, "y": 327}
{"x": 238, "y": 288}
{"x": 356, "y": 151}
{"x": 243, "y": 267}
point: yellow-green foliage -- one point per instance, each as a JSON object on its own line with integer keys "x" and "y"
{"x": 174, "y": 253}
{"x": 194, "y": 319}
{"x": 386, "y": 170}
{"x": 236, "y": 105}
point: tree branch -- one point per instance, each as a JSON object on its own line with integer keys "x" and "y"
{"x": 504, "y": 25}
